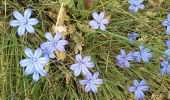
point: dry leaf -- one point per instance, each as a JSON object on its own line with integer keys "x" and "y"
{"x": 61, "y": 29}
{"x": 89, "y": 3}
{"x": 155, "y": 3}
{"x": 68, "y": 77}
{"x": 47, "y": 67}
{"x": 60, "y": 55}
{"x": 157, "y": 97}
{"x": 77, "y": 37}
{"x": 84, "y": 28}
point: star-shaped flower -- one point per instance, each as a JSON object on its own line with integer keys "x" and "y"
{"x": 91, "y": 82}
{"x": 133, "y": 37}
{"x": 139, "y": 88}
{"x": 167, "y": 24}
{"x": 24, "y": 22}
{"x": 99, "y": 21}
{"x": 34, "y": 63}
{"x": 123, "y": 59}
{"x": 135, "y": 5}
{"x": 82, "y": 65}
{"x": 54, "y": 44}
{"x": 166, "y": 67}
{"x": 143, "y": 54}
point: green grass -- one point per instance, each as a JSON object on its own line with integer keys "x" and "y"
{"x": 101, "y": 46}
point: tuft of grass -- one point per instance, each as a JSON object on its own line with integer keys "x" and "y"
{"x": 101, "y": 46}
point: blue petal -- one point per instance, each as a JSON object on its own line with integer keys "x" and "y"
{"x": 126, "y": 63}
{"x": 43, "y": 60}
{"x": 78, "y": 58}
{"x": 164, "y": 64}
{"x": 95, "y": 75}
{"x": 18, "y": 16}
{"x": 98, "y": 81}
{"x": 52, "y": 55}
{"x": 136, "y": 54}
{"x": 144, "y": 88}
{"x": 30, "y": 29}
{"x": 95, "y": 15}
{"x": 21, "y": 30}
{"x": 164, "y": 23}
{"x": 139, "y": 94}
{"x": 36, "y": 76}
{"x": 130, "y": 1}
{"x": 88, "y": 87}
{"x": 47, "y": 45}
{"x": 141, "y": 6}
{"x": 123, "y": 53}
{"x": 82, "y": 82}
{"x": 37, "y": 53}
{"x": 25, "y": 62}
{"x": 135, "y": 9}
{"x": 39, "y": 69}
{"x": 102, "y": 27}
{"x": 168, "y": 43}
{"x": 132, "y": 88}
{"x": 62, "y": 42}
{"x": 163, "y": 70}
{"x": 27, "y": 13}
{"x": 140, "y": 1}
{"x": 168, "y": 30}
{"x": 74, "y": 66}
{"x": 101, "y": 16}
{"x": 142, "y": 82}
{"x": 87, "y": 59}
{"x": 94, "y": 88}
{"x": 168, "y": 17}
{"x": 168, "y": 70}
{"x": 49, "y": 36}
{"x": 167, "y": 52}
{"x": 77, "y": 71}
{"x": 33, "y": 21}
{"x": 90, "y": 64}
{"x": 29, "y": 69}
{"x": 85, "y": 70}
{"x": 131, "y": 8}
{"x": 57, "y": 36}
{"x": 145, "y": 59}
{"x": 135, "y": 82}
{"x": 29, "y": 53}
{"x": 94, "y": 24}
{"x": 138, "y": 59}
{"x": 105, "y": 21}
{"x": 59, "y": 48}
{"x": 130, "y": 56}
{"x": 15, "y": 23}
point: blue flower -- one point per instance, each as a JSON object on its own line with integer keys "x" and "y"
{"x": 138, "y": 88}
{"x": 167, "y": 24}
{"x": 166, "y": 67}
{"x": 123, "y": 59}
{"x": 135, "y": 5}
{"x": 24, "y": 22}
{"x": 48, "y": 52}
{"x": 167, "y": 52}
{"x": 34, "y": 63}
{"x": 143, "y": 54}
{"x": 91, "y": 82}
{"x": 82, "y": 65}
{"x": 54, "y": 44}
{"x": 99, "y": 21}
{"x": 133, "y": 37}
